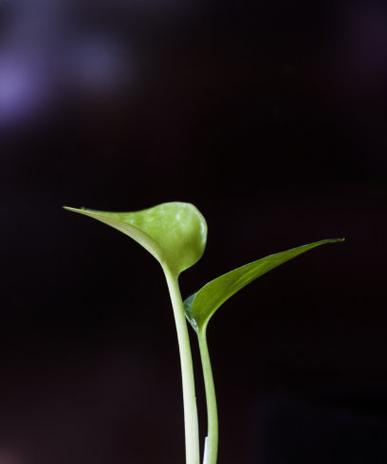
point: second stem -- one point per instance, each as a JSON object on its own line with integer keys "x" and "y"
{"x": 211, "y": 451}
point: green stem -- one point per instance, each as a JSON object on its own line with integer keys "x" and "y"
{"x": 192, "y": 447}
{"x": 211, "y": 453}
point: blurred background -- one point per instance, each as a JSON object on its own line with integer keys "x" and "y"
{"x": 272, "y": 118}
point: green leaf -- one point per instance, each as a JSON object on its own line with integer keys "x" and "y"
{"x": 201, "y": 306}
{"x": 174, "y": 233}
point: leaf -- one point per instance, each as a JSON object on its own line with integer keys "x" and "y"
{"x": 201, "y": 306}
{"x": 175, "y": 233}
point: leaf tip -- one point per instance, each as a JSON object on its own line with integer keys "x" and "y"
{"x": 74, "y": 210}
{"x": 337, "y": 240}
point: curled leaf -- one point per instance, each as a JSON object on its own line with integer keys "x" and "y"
{"x": 175, "y": 233}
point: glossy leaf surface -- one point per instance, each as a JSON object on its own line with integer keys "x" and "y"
{"x": 175, "y": 233}
{"x": 201, "y": 306}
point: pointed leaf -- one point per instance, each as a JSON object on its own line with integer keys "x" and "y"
{"x": 201, "y": 306}
{"x": 174, "y": 233}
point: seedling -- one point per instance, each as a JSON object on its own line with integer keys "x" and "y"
{"x": 175, "y": 234}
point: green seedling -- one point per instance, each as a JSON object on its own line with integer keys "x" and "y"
{"x": 175, "y": 234}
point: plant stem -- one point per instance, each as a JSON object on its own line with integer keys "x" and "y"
{"x": 192, "y": 446}
{"x": 211, "y": 453}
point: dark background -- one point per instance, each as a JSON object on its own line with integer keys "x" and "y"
{"x": 272, "y": 118}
